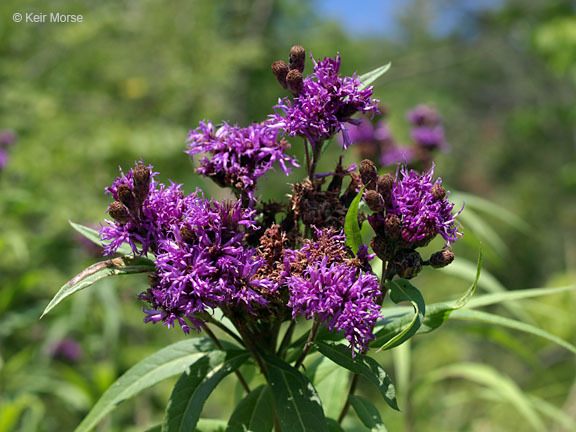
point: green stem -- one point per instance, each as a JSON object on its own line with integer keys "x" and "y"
{"x": 286, "y": 339}
{"x": 224, "y": 329}
{"x": 219, "y": 345}
{"x": 351, "y": 391}
{"x": 311, "y": 336}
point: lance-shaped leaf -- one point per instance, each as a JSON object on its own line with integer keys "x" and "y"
{"x": 194, "y": 387}
{"x": 115, "y": 266}
{"x": 402, "y": 290}
{"x": 352, "y": 229}
{"x": 297, "y": 403}
{"x": 368, "y": 414}
{"x": 362, "y": 365}
{"x": 254, "y": 413}
{"x": 369, "y": 77}
{"x": 169, "y": 361}
{"x": 488, "y": 318}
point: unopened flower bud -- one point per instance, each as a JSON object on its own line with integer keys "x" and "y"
{"x": 385, "y": 184}
{"x": 408, "y": 264}
{"x": 126, "y": 197}
{"x": 119, "y": 212}
{"x": 374, "y": 201}
{"x": 187, "y": 235}
{"x": 368, "y": 173}
{"x": 382, "y": 248}
{"x": 280, "y": 69}
{"x": 297, "y": 58}
{"x": 441, "y": 259}
{"x": 141, "y": 182}
{"x": 294, "y": 82}
{"x": 438, "y": 192}
{"x": 393, "y": 227}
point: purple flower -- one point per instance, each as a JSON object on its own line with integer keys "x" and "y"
{"x": 143, "y": 221}
{"x": 338, "y": 297}
{"x": 3, "y": 158}
{"x": 238, "y": 156}
{"x": 427, "y": 129}
{"x": 423, "y": 208}
{"x": 204, "y": 264}
{"x": 67, "y": 350}
{"x": 338, "y": 291}
{"x": 325, "y": 102}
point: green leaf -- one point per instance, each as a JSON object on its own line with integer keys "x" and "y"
{"x": 488, "y": 318}
{"x": 94, "y": 237}
{"x": 297, "y": 404}
{"x": 254, "y": 413}
{"x": 362, "y": 365}
{"x": 491, "y": 378}
{"x": 210, "y": 425}
{"x": 115, "y": 266}
{"x": 490, "y": 299}
{"x": 402, "y": 290}
{"x": 351, "y": 226}
{"x": 331, "y": 382}
{"x": 367, "y": 413}
{"x": 369, "y": 77}
{"x": 169, "y": 361}
{"x": 334, "y": 426}
{"x": 194, "y": 387}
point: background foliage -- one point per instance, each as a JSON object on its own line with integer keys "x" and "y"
{"x": 135, "y": 76}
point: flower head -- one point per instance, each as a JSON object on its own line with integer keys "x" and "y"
{"x": 427, "y": 128}
{"x": 238, "y": 156}
{"x": 421, "y": 204}
{"x": 324, "y": 102}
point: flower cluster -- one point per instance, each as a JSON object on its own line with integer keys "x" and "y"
{"x": 239, "y": 156}
{"x": 336, "y": 291}
{"x": 323, "y": 101}
{"x": 375, "y": 141}
{"x": 409, "y": 211}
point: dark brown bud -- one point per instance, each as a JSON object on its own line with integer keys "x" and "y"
{"x": 441, "y": 259}
{"x": 382, "y": 248}
{"x": 280, "y": 69}
{"x": 294, "y": 82}
{"x": 297, "y": 58}
{"x": 187, "y": 235}
{"x": 385, "y": 184}
{"x": 374, "y": 200}
{"x": 408, "y": 264}
{"x": 368, "y": 173}
{"x": 141, "y": 182}
{"x": 118, "y": 212}
{"x": 393, "y": 227}
{"x": 126, "y": 197}
{"x": 439, "y": 192}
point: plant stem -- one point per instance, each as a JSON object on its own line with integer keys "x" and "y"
{"x": 307, "y": 157}
{"x": 224, "y": 329}
{"x": 219, "y": 345}
{"x": 311, "y": 337}
{"x": 346, "y": 406}
{"x": 286, "y": 339}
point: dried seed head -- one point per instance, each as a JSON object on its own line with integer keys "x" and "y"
{"x": 297, "y": 58}
{"x": 294, "y": 82}
{"x": 439, "y": 192}
{"x": 393, "y": 227}
{"x": 187, "y": 235}
{"x": 382, "y": 248}
{"x": 374, "y": 200}
{"x": 141, "y": 182}
{"x": 408, "y": 264}
{"x": 118, "y": 212}
{"x": 280, "y": 69}
{"x": 126, "y": 197}
{"x": 441, "y": 259}
{"x": 385, "y": 184}
{"x": 368, "y": 173}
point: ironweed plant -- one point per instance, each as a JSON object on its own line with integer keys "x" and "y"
{"x": 254, "y": 269}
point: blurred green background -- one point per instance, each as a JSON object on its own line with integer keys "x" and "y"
{"x": 134, "y": 77}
